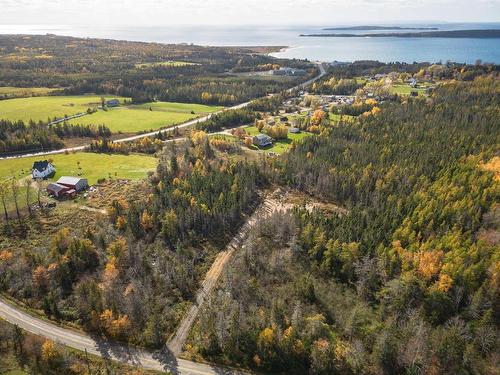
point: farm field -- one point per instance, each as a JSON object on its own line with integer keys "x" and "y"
{"x": 405, "y": 89}
{"x": 144, "y": 117}
{"x": 165, "y": 63}
{"x": 7, "y": 91}
{"x": 335, "y": 118}
{"x": 282, "y": 145}
{"x": 88, "y": 165}
{"x": 44, "y": 107}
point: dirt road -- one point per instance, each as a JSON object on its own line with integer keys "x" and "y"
{"x": 266, "y": 208}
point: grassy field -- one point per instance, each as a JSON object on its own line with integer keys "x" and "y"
{"x": 335, "y": 118}
{"x": 127, "y": 118}
{"x": 88, "y": 165}
{"x": 279, "y": 146}
{"x": 143, "y": 117}
{"x": 406, "y": 89}
{"x": 24, "y": 91}
{"x": 165, "y": 63}
{"x": 43, "y": 107}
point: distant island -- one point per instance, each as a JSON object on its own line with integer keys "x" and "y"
{"x": 482, "y": 34}
{"x": 380, "y": 28}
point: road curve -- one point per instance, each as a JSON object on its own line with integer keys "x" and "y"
{"x": 180, "y": 126}
{"x": 161, "y": 360}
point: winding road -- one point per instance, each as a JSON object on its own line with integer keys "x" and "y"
{"x": 180, "y": 126}
{"x": 161, "y": 360}
{"x": 165, "y": 359}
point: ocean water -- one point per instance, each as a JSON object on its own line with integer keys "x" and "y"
{"x": 313, "y": 48}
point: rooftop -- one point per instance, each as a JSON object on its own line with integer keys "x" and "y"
{"x": 69, "y": 180}
{"x": 40, "y": 165}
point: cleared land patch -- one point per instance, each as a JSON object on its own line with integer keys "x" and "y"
{"x": 7, "y": 91}
{"x": 406, "y": 89}
{"x": 43, "y": 107}
{"x": 280, "y": 145}
{"x": 143, "y": 117}
{"x": 125, "y": 118}
{"x": 165, "y": 63}
{"x": 88, "y": 165}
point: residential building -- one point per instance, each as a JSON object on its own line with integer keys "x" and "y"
{"x": 262, "y": 140}
{"x": 42, "y": 169}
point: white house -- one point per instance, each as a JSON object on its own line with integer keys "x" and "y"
{"x": 42, "y": 169}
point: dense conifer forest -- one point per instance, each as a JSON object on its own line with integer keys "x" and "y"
{"x": 407, "y": 280}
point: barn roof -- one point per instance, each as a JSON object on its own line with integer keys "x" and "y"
{"x": 56, "y": 187}
{"x": 68, "y": 180}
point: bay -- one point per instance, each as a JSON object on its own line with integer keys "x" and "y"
{"x": 390, "y": 49}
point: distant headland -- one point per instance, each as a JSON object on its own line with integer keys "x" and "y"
{"x": 481, "y": 34}
{"x": 358, "y": 28}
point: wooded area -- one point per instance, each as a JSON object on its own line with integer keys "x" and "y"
{"x": 406, "y": 281}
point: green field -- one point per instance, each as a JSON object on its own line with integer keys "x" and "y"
{"x": 126, "y": 118}
{"x": 165, "y": 63}
{"x": 335, "y": 118}
{"x": 91, "y": 166}
{"x": 24, "y": 91}
{"x": 279, "y": 146}
{"x": 87, "y": 165}
{"x": 43, "y": 107}
{"x": 406, "y": 89}
{"x": 143, "y": 117}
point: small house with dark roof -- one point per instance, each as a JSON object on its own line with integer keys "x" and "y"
{"x": 42, "y": 169}
{"x": 262, "y": 140}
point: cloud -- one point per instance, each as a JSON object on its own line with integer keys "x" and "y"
{"x": 280, "y": 12}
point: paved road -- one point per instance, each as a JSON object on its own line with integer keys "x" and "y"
{"x": 180, "y": 126}
{"x": 162, "y": 360}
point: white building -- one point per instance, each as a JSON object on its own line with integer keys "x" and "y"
{"x": 42, "y": 169}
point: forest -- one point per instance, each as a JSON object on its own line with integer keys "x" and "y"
{"x": 17, "y": 136}
{"x": 137, "y": 70}
{"x": 407, "y": 280}
{"x": 131, "y": 275}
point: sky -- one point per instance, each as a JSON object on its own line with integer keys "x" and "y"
{"x": 242, "y": 12}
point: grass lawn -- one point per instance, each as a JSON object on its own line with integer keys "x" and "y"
{"x": 24, "y": 91}
{"x": 405, "y": 89}
{"x": 128, "y": 119}
{"x": 91, "y": 166}
{"x": 282, "y": 145}
{"x": 335, "y": 118}
{"x": 165, "y": 63}
{"x": 43, "y": 107}
{"x": 137, "y": 118}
